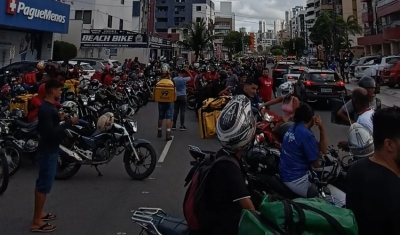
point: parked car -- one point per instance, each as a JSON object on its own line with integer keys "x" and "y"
{"x": 381, "y": 62}
{"x": 89, "y": 70}
{"x": 391, "y": 74}
{"x": 359, "y": 69}
{"x": 97, "y": 64}
{"x": 270, "y": 60}
{"x": 21, "y": 67}
{"x": 319, "y": 85}
{"x": 352, "y": 66}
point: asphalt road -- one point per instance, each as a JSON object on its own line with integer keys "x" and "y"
{"x": 89, "y": 204}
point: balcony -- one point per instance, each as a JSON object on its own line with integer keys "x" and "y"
{"x": 222, "y": 26}
{"x": 386, "y": 7}
{"x": 392, "y": 34}
{"x": 161, "y": 14}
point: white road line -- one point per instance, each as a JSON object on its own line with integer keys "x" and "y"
{"x": 165, "y": 150}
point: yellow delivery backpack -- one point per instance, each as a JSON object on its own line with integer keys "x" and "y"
{"x": 21, "y": 102}
{"x": 164, "y": 91}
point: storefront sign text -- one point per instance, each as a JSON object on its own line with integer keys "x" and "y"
{"x": 15, "y": 7}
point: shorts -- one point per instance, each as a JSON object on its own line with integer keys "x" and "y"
{"x": 165, "y": 111}
{"x": 47, "y": 171}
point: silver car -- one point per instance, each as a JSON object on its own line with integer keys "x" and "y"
{"x": 293, "y": 73}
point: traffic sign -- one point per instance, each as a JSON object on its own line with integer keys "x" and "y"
{"x": 12, "y": 51}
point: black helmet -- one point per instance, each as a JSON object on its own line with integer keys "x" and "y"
{"x": 367, "y": 82}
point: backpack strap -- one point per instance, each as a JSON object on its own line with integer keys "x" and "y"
{"x": 229, "y": 159}
{"x": 332, "y": 221}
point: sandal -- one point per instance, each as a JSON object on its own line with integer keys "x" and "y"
{"x": 45, "y": 228}
{"x": 49, "y": 217}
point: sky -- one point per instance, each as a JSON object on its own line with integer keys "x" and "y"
{"x": 249, "y": 12}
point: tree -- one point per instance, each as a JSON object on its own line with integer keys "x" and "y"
{"x": 299, "y": 46}
{"x": 260, "y": 48}
{"x": 64, "y": 51}
{"x": 276, "y": 52}
{"x": 350, "y": 27}
{"x": 322, "y": 31}
{"x": 197, "y": 38}
{"x": 234, "y": 41}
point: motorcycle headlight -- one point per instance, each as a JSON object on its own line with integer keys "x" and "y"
{"x": 134, "y": 126}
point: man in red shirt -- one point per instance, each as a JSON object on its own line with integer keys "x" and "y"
{"x": 212, "y": 75}
{"x": 266, "y": 85}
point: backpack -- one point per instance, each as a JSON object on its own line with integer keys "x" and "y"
{"x": 194, "y": 204}
{"x": 164, "y": 91}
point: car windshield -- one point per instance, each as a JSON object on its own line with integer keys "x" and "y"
{"x": 392, "y": 59}
{"x": 323, "y": 77}
{"x": 86, "y": 67}
{"x": 296, "y": 71}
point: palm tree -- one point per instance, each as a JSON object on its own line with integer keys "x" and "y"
{"x": 197, "y": 38}
{"x": 350, "y": 27}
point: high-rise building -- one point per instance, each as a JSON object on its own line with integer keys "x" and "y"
{"x": 287, "y": 19}
{"x": 261, "y": 26}
{"x": 224, "y": 23}
{"x": 309, "y": 23}
{"x": 243, "y": 30}
{"x": 381, "y": 27}
{"x": 277, "y": 26}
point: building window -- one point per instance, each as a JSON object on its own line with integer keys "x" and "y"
{"x": 198, "y": 19}
{"x": 173, "y": 30}
{"x": 179, "y": 0}
{"x": 86, "y": 16}
{"x": 122, "y": 2}
{"x": 198, "y": 8}
{"x": 161, "y": 19}
{"x": 109, "y": 21}
{"x": 162, "y": 30}
{"x": 121, "y": 24}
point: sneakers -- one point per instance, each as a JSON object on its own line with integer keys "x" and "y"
{"x": 182, "y": 128}
{"x": 173, "y": 127}
{"x": 159, "y": 133}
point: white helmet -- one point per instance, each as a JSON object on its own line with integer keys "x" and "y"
{"x": 70, "y": 107}
{"x": 236, "y": 124}
{"x": 164, "y": 69}
{"x": 196, "y": 65}
{"x": 105, "y": 122}
{"x": 286, "y": 89}
{"x": 360, "y": 140}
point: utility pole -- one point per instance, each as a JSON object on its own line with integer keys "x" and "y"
{"x": 334, "y": 28}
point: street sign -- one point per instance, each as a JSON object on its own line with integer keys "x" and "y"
{"x": 107, "y": 52}
{"x": 12, "y": 51}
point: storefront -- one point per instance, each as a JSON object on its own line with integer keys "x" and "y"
{"x": 27, "y": 27}
{"x": 160, "y": 47}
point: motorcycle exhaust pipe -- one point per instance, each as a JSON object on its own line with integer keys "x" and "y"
{"x": 70, "y": 153}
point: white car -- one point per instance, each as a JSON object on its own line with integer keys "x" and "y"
{"x": 382, "y": 62}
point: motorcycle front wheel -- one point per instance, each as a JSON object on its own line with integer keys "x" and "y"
{"x": 145, "y": 152}
{"x": 66, "y": 168}
{"x": 14, "y": 158}
{"x": 4, "y": 176}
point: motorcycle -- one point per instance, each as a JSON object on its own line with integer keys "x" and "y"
{"x": 4, "y": 174}
{"x": 94, "y": 148}
{"x": 191, "y": 98}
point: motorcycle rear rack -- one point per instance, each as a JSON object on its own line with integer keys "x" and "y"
{"x": 143, "y": 217}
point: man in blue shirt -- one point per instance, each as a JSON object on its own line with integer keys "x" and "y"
{"x": 250, "y": 91}
{"x": 180, "y": 81}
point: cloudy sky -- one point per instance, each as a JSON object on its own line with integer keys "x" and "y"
{"x": 249, "y": 12}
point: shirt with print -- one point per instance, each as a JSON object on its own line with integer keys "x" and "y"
{"x": 265, "y": 90}
{"x": 299, "y": 150}
{"x": 180, "y": 85}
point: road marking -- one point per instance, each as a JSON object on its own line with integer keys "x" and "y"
{"x": 165, "y": 150}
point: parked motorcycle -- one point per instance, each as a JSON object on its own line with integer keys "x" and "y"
{"x": 4, "y": 176}
{"x": 95, "y": 147}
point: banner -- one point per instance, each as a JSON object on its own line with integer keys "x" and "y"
{"x": 113, "y": 39}
{"x": 159, "y": 43}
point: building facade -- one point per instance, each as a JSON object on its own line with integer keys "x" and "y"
{"x": 283, "y": 36}
{"x": 27, "y": 27}
{"x": 381, "y": 21}
{"x": 277, "y": 26}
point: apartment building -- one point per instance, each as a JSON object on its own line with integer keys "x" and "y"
{"x": 381, "y": 21}
{"x": 309, "y": 23}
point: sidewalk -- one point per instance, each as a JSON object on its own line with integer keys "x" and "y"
{"x": 388, "y": 96}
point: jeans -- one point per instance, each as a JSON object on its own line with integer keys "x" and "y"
{"x": 180, "y": 106}
{"x": 301, "y": 186}
{"x": 165, "y": 111}
{"x": 47, "y": 171}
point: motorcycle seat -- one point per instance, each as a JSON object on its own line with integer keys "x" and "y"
{"x": 173, "y": 226}
{"x": 27, "y": 125}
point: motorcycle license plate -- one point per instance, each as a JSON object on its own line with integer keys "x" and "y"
{"x": 326, "y": 90}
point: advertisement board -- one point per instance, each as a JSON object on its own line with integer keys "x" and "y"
{"x": 113, "y": 39}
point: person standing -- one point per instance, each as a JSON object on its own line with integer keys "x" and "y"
{"x": 232, "y": 80}
{"x": 165, "y": 109}
{"x": 51, "y": 134}
{"x": 181, "y": 99}
{"x": 266, "y": 86}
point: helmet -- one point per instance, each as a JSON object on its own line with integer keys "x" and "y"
{"x": 236, "y": 125}
{"x": 286, "y": 89}
{"x": 105, "y": 122}
{"x": 41, "y": 65}
{"x": 264, "y": 156}
{"x": 360, "y": 140}
{"x": 125, "y": 110}
{"x": 94, "y": 83}
{"x": 116, "y": 79}
{"x": 6, "y": 89}
{"x": 17, "y": 113}
{"x": 70, "y": 108}
{"x": 367, "y": 82}
{"x": 196, "y": 65}
{"x": 164, "y": 69}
